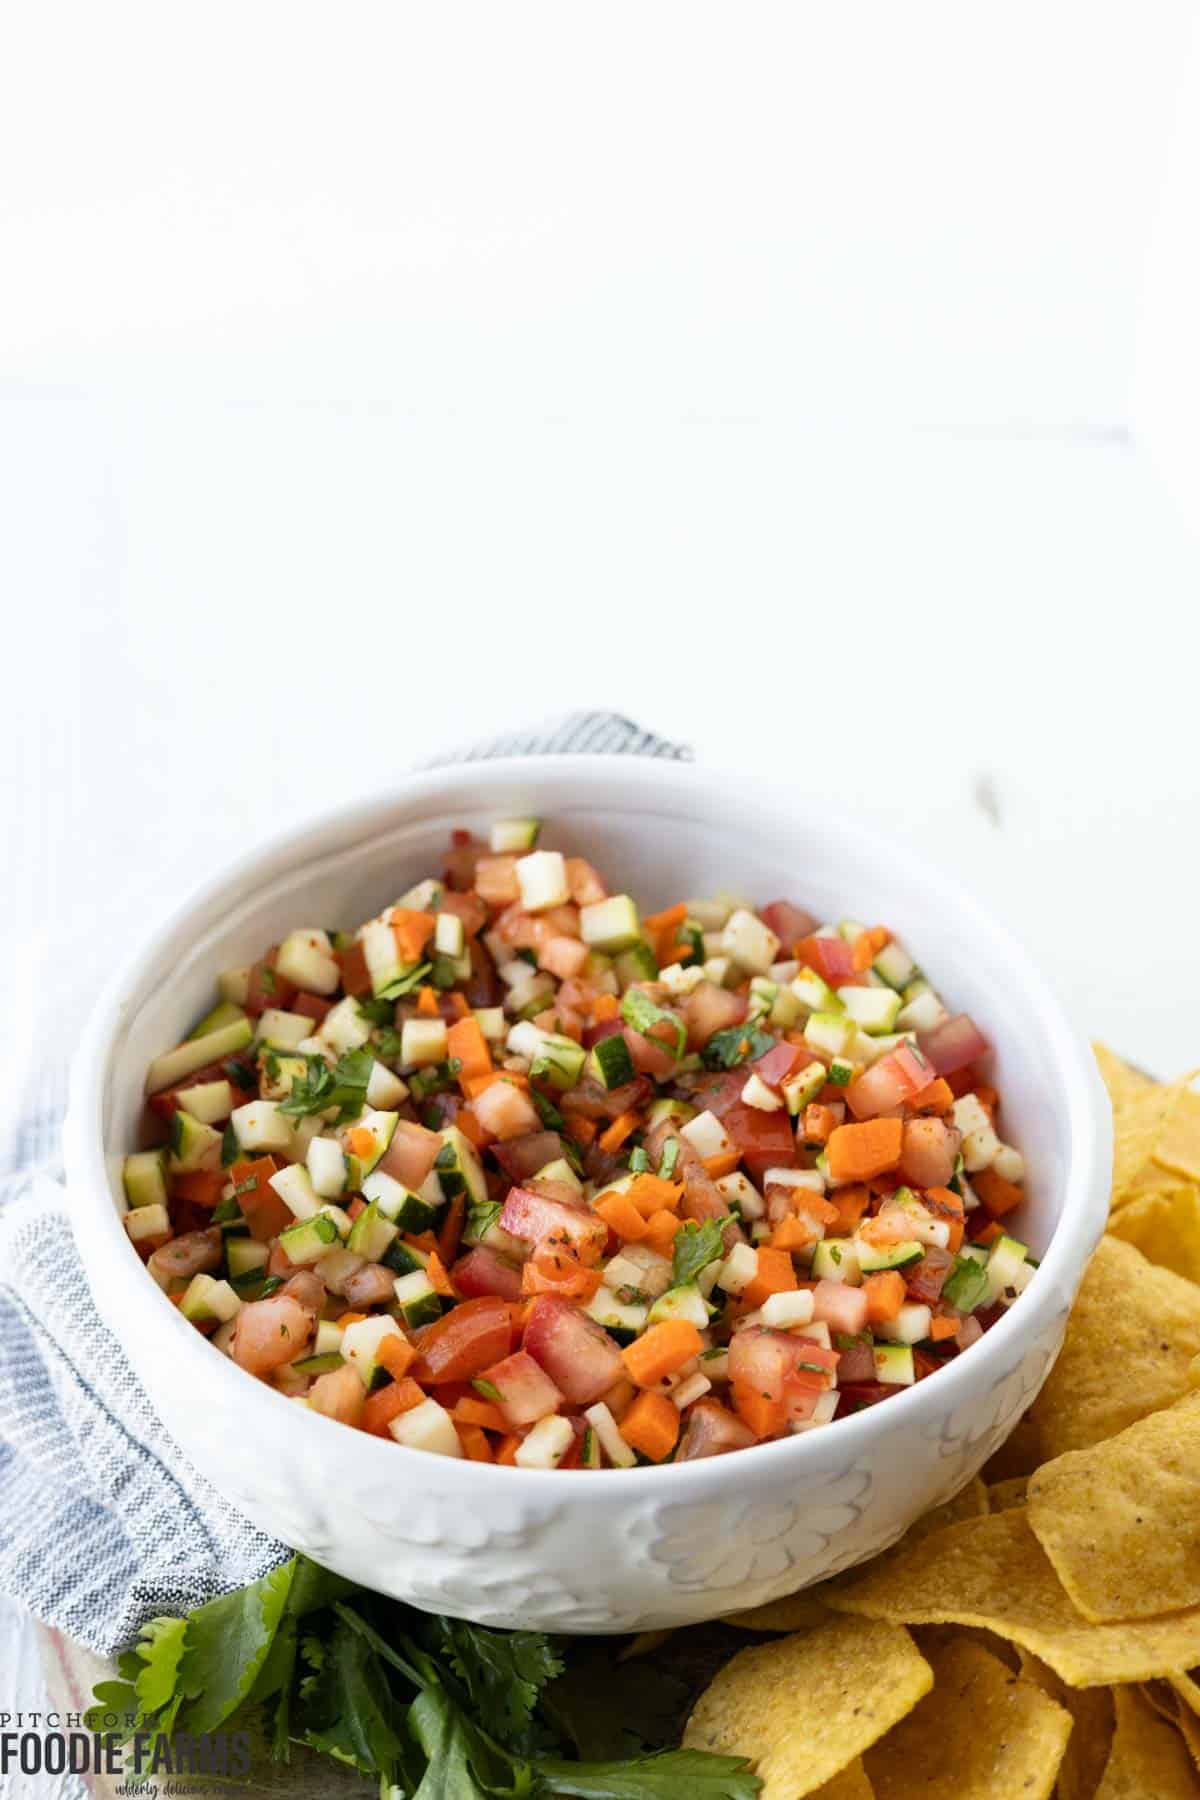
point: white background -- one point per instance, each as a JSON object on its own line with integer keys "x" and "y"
{"x": 815, "y": 384}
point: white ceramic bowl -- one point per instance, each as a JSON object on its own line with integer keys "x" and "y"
{"x": 623, "y": 1550}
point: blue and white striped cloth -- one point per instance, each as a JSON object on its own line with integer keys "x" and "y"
{"x": 103, "y": 1522}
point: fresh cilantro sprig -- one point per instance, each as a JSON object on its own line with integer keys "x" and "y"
{"x": 736, "y": 1044}
{"x": 695, "y": 1247}
{"x": 430, "y": 1707}
{"x": 640, "y": 1011}
{"x": 321, "y": 1088}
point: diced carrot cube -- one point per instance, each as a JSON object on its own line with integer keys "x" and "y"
{"x": 764, "y": 1416}
{"x": 396, "y": 1354}
{"x": 466, "y": 1042}
{"x": 998, "y": 1195}
{"x": 474, "y": 1443}
{"x": 792, "y": 1234}
{"x": 851, "y": 1203}
{"x": 471, "y": 1411}
{"x": 649, "y": 1193}
{"x": 937, "y": 1098}
{"x": 651, "y": 1426}
{"x": 506, "y": 1452}
{"x": 621, "y": 1216}
{"x": 775, "y": 1275}
{"x": 857, "y": 1152}
{"x": 388, "y": 1403}
{"x": 661, "y": 1228}
{"x": 660, "y": 1351}
{"x": 885, "y": 1295}
{"x": 614, "y": 1135}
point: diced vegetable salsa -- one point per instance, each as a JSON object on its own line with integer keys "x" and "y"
{"x": 520, "y": 1173}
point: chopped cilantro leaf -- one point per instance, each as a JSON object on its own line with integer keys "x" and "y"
{"x": 321, "y": 1089}
{"x": 639, "y": 1011}
{"x": 966, "y": 1284}
{"x": 736, "y": 1044}
{"x": 695, "y": 1247}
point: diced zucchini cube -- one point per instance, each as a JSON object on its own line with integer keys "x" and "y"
{"x": 308, "y": 1241}
{"x": 327, "y": 1167}
{"x": 546, "y": 1444}
{"x": 610, "y": 925}
{"x": 833, "y": 1033}
{"x": 894, "y": 1365}
{"x": 814, "y": 994}
{"x": 739, "y": 1269}
{"x": 417, "y": 1299}
{"x": 686, "y": 1302}
{"x": 786, "y": 1311}
{"x": 143, "y": 1177}
{"x": 344, "y": 1027}
{"x": 283, "y": 1030}
{"x": 513, "y": 834}
{"x": 175, "y": 1067}
{"x": 149, "y": 1221}
{"x": 874, "y": 1008}
{"x": 371, "y": 1234}
{"x": 836, "y": 1259}
{"x": 205, "y": 1298}
{"x": 910, "y": 1326}
{"x": 193, "y": 1145}
{"x": 360, "y": 1343}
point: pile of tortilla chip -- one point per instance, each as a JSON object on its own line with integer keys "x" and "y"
{"x": 1039, "y": 1635}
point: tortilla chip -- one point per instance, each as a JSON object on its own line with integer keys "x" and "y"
{"x": 1121, "y": 1521}
{"x": 993, "y": 1572}
{"x": 982, "y": 1732}
{"x": 851, "y": 1784}
{"x": 1004, "y": 1495}
{"x": 1165, "y": 1227}
{"x": 933, "y": 1640}
{"x": 1141, "y": 1126}
{"x": 1188, "y": 1727}
{"x": 790, "y": 1613}
{"x": 1132, "y": 1333}
{"x": 1091, "y": 1711}
{"x": 1188, "y": 1689}
{"x": 1178, "y": 1146}
{"x": 1149, "y": 1760}
{"x": 800, "y": 1612}
{"x": 1020, "y": 1454}
{"x": 1163, "y": 1699}
{"x": 1121, "y": 1081}
{"x": 803, "y": 1708}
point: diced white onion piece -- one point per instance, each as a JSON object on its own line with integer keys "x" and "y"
{"x": 694, "y": 1388}
{"x": 542, "y": 877}
{"x": 612, "y": 1443}
{"x": 707, "y": 1136}
{"x": 423, "y": 1042}
{"x": 295, "y": 1188}
{"x": 427, "y": 1427}
{"x": 306, "y": 958}
{"x": 739, "y": 1269}
{"x": 751, "y": 943}
{"x": 783, "y": 1312}
{"x": 261, "y": 1127}
{"x": 384, "y": 1089}
{"x": 757, "y": 1093}
{"x": 738, "y": 1190}
{"x": 548, "y": 1442}
{"x": 910, "y": 1325}
{"x": 1009, "y": 1164}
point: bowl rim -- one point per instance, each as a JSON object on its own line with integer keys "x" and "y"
{"x": 1077, "y": 1229}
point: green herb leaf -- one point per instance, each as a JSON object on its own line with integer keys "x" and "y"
{"x": 501, "y": 1670}
{"x": 638, "y": 1010}
{"x": 664, "y": 1776}
{"x": 488, "y": 1389}
{"x": 736, "y": 1044}
{"x": 377, "y": 1012}
{"x": 405, "y": 982}
{"x": 967, "y": 1284}
{"x": 547, "y": 1112}
{"x": 695, "y": 1247}
{"x": 343, "y": 1087}
{"x": 350, "y": 1712}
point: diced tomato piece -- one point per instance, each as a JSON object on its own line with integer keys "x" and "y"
{"x": 929, "y": 1153}
{"x": 766, "y": 1360}
{"x": 521, "y": 1157}
{"x": 556, "y": 1269}
{"x": 708, "y": 1009}
{"x": 264, "y": 1211}
{"x": 763, "y": 1139}
{"x": 312, "y": 1006}
{"x": 481, "y": 1271}
{"x": 831, "y": 957}
{"x": 777, "y": 1064}
{"x": 889, "y": 1083}
{"x": 411, "y": 1154}
{"x": 467, "y": 907}
{"x": 924, "y": 1281}
{"x": 524, "y": 1391}
{"x": 953, "y": 1044}
{"x": 789, "y": 923}
{"x": 711, "y": 1430}
{"x": 465, "y": 1340}
{"x": 578, "y": 1355}
{"x": 505, "y": 1110}
{"x": 267, "y": 987}
{"x": 536, "y": 1218}
{"x": 649, "y": 1054}
{"x": 842, "y": 1307}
